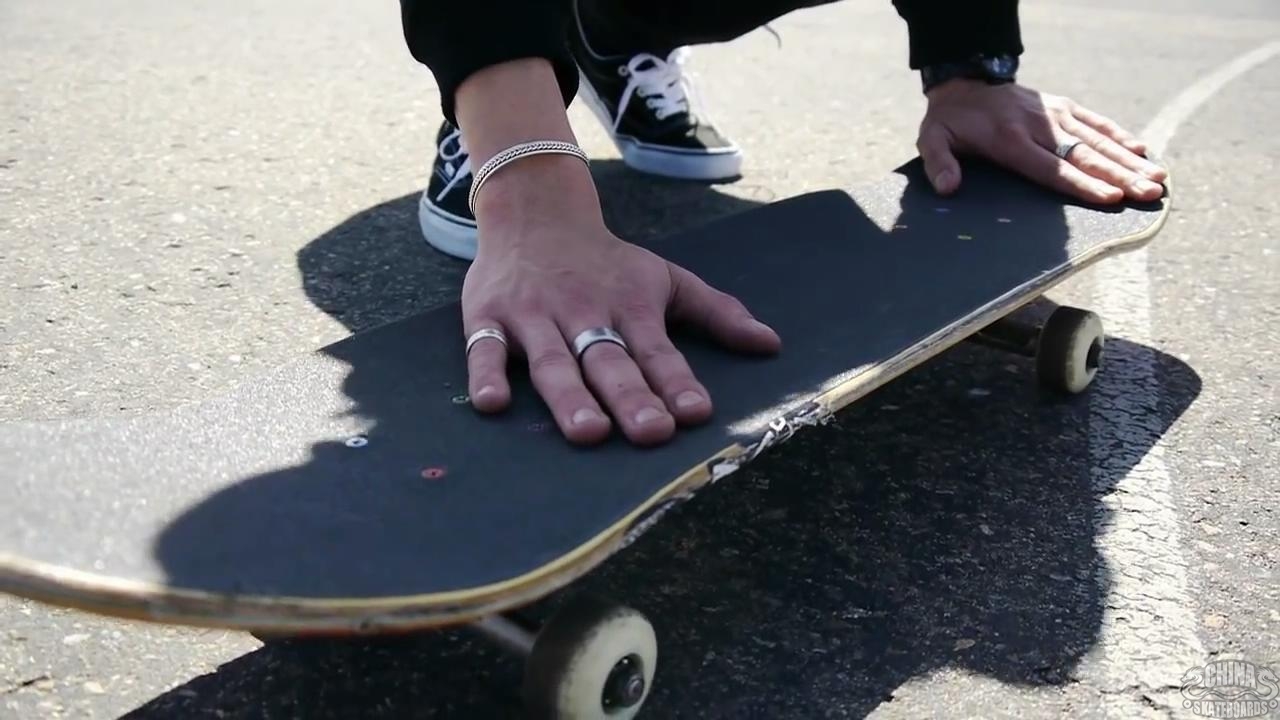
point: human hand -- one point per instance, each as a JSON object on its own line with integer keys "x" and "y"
{"x": 1020, "y": 128}
{"x": 548, "y": 269}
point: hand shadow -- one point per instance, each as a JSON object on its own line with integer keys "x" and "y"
{"x": 931, "y": 526}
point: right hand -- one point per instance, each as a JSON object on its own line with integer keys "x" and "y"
{"x": 547, "y": 269}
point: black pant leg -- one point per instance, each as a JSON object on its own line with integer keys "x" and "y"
{"x": 627, "y": 26}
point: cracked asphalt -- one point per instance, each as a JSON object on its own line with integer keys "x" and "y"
{"x": 194, "y": 192}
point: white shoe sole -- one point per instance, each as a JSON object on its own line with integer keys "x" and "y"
{"x": 446, "y": 232}
{"x": 718, "y": 164}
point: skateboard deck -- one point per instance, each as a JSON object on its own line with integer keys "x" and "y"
{"x": 355, "y": 490}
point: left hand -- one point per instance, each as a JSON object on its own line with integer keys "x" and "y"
{"x": 1020, "y": 128}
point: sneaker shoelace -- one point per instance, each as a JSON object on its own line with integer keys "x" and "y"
{"x": 661, "y": 82}
{"x": 451, "y": 148}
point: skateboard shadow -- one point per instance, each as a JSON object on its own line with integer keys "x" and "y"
{"x": 949, "y": 521}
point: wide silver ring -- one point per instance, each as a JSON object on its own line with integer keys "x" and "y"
{"x": 483, "y": 333}
{"x": 1064, "y": 149}
{"x": 591, "y": 336}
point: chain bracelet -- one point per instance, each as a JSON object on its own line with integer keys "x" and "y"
{"x": 537, "y": 147}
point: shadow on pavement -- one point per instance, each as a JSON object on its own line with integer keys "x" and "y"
{"x": 375, "y": 267}
{"x": 947, "y": 521}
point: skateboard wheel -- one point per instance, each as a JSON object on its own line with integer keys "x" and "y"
{"x": 1070, "y": 350}
{"x": 592, "y": 660}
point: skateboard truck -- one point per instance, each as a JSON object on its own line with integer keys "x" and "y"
{"x": 592, "y": 659}
{"x": 1067, "y": 348}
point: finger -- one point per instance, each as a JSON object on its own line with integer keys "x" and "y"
{"x": 555, "y": 375}
{"x": 1109, "y": 128}
{"x": 1143, "y": 170}
{"x": 1042, "y": 166}
{"x": 1099, "y": 166}
{"x": 618, "y": 382}
{"x": 719, "y": 313}
{"x": 666, "y": 370}
{"x": 487, "y": 382}
{"x": 940, "y": 163}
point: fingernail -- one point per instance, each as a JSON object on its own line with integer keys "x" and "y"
{"x": 647, "y": 415}
{"x": 485, "y": 391}
{"x": 688, "y": 399}
{"x": 585, "y": 415}
{"x": 943, "y": 179}
{"x": 1145, "y": 186}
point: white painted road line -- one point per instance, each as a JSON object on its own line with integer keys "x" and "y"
{"x": 1149, "y": 630}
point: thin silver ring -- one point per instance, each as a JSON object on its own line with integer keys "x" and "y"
{"x": 1064, "y": 149}
{"x": 591, "y": 336}
{"x": 483, "y": 333}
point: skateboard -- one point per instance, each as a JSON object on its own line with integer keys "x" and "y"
{"x": 354, "y": 491}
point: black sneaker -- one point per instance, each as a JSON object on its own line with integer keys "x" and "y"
{"x": 446, "y": 221}
{"x": 644, "y": 103}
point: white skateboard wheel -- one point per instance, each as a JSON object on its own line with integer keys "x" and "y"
{"x": 1070, "y": 350}
{"x": 593, "y": 660}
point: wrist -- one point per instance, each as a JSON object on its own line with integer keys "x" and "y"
{"x": 537, "y": 190}
{"x": 511, "y": 103}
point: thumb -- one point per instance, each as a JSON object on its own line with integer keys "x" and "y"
{"x": 720, "y": 314}
{"x": 940, "y": 163}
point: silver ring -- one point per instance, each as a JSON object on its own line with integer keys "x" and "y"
{"x": 483, "y": 333}
{"x": 1064, "y": 149}
{"x": 591, "y": 336}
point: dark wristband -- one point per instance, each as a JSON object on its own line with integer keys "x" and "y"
{"x": 995, "y": 69}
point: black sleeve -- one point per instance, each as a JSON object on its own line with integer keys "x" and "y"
{"x": 455, "y": 38}
{"x": 950, "y": 30}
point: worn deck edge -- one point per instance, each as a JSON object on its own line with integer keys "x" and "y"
{"x": 151, "y": 602}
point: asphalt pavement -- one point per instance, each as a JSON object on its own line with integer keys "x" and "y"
{"x": 194, "y": 192}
